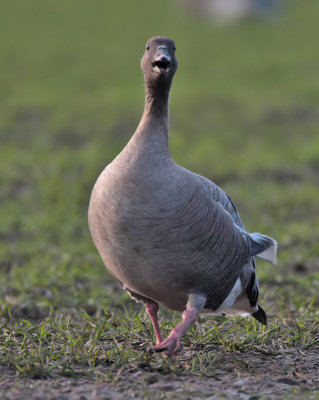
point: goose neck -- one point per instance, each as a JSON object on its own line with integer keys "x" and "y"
{"x": 156, "y": 103}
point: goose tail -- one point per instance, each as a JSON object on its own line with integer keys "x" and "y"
{"x": 264, "y": 247}
{"x": 260, "y": 315}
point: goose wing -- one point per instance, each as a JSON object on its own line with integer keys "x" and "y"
{"x": 261, "y": 245}
{"x": 222, "y": 198}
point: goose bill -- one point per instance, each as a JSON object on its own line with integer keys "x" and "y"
{"x": 160, "y": 67}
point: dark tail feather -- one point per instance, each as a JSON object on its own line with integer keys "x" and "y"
{"x": 260, "y": 315}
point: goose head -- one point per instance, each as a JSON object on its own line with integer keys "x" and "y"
{"x": 159, "y": 61}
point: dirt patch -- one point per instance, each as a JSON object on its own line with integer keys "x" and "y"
{"x": 273, "y": 375}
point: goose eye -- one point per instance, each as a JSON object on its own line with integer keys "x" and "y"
{"x": 147, "y": 47}
{"x": 174, "y": 48}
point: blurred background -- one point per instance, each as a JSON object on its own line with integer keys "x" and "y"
{"x": 244, "y": 112}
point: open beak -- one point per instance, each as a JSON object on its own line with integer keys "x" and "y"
{"x": 162, "y": 61}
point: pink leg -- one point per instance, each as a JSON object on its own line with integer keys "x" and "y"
{"x": 173, "y": 343}
{"x": 152, "y": 309}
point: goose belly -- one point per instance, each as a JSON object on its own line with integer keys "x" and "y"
{"x": 165, "y": 248}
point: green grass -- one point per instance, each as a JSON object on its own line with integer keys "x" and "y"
{"x": 62, "y": 345}
{"x": 244, "y": 112}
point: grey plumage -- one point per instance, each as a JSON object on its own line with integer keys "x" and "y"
{"x": 168, "y": 235}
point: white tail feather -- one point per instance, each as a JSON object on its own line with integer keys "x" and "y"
{"x": 271, "y": 253}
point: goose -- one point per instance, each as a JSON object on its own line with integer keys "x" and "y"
{"x": 168, "y": 235}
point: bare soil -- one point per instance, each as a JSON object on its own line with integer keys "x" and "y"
{"x": 291, "y": 374}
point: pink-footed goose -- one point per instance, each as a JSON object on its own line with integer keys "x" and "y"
{"x": 168, "y": 235}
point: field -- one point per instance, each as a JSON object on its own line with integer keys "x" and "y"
{"x": 244, "y": 112}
